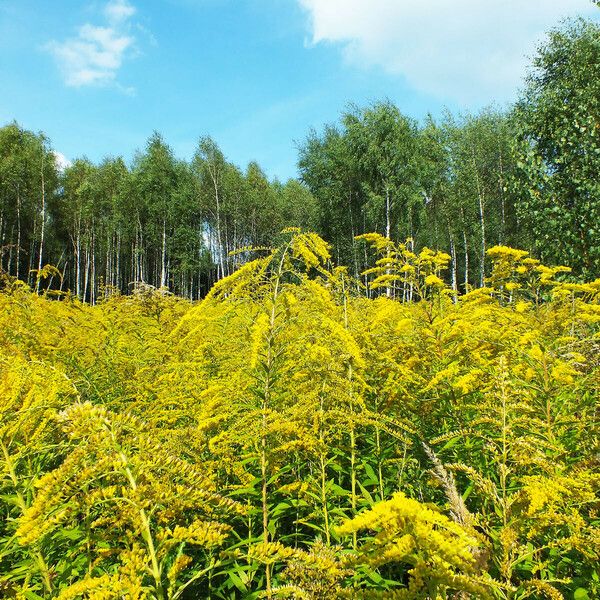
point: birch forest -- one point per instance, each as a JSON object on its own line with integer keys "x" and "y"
{"x": 460, "y": 183}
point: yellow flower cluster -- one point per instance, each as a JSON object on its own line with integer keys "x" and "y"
{"x": 268, "y": 441}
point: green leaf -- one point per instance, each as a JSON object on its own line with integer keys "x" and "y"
{"x": 239, "y": 584}
{"x": 370, "y": 473}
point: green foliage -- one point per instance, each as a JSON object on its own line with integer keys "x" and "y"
{"x": 28, "y": 185}
{"x": 558, "y": 152}
{"x": 442, "y": 184}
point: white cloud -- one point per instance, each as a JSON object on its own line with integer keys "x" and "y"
{"x": 62, "y": 162}
{"x": 97, "y": 53}
{"x": 462, "y": 50}
{"x": 117, "y": 11}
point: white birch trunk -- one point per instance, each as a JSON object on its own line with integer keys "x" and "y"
{"x": 43, "y": 226}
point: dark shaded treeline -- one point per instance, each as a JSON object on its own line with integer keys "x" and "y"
{"x": 526, "y": 178}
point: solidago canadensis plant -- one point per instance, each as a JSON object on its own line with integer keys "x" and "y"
{"x": 292, "y": 437}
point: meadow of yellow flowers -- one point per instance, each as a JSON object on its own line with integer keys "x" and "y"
{"x": 289, "y": 437}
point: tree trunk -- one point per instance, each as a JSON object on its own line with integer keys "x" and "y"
{"x": 78, "y": 265}
{"x": 18, "y": 248}
{"x": 466, "y": 250}
{"x": 213, "y": 174}
{"x": 43, "y": 226}
{"x": 2, "y": 241}
{"x": 163, "y": 271}
{"x": 388, "y": 224}
{"x": 86, "y": 276}
{"x": 353, "y": 234}
{"x": 481, "y": 199}
{"x": 134, "y": 264}
{"x": 108, "y": 264}
{"x": 482, "y": 226}
{"x": 502, "y": 233}
{"x": 140, "y": 252}
{"x": 454, "y": 270}
{"x": 93, "y": 274}
{"x": 388, "y": 230}
{"x": 411, "y": 287}
{"x": 118, "y": 258}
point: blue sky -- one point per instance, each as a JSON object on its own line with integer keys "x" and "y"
{"x": 99, "y": 76}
